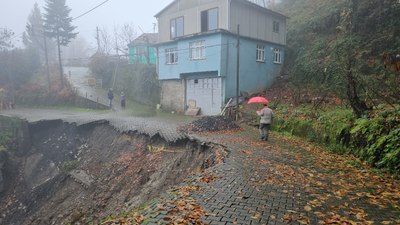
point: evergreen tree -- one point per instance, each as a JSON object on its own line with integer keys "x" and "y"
{"x": 57, "y": 24}
{"x": 33, "y": 36}
{"x": 35, "y": 39}
{"x": 5, "y": 38}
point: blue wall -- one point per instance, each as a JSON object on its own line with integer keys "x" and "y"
{"x": 221, "y": 56}
{"x": 254, "y": 76}
{"x": 185, "y": 65}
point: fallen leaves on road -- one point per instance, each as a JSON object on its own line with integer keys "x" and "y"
{"x": 219, "y": 124}
{"x": 184, "y": 210}
{"x": 131, "y": 219}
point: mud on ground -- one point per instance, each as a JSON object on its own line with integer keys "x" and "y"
{"x": 80, "y": 174}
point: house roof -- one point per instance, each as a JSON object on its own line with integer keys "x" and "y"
{"x": 145, "y": 38}
{"x": 165, "y": 8}
{"x": 261, "y": 8}
{"x": 240, "y": 1}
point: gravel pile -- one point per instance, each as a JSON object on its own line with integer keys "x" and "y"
{"x": 211, "y": 124}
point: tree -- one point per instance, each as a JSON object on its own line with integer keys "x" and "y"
{"x": 17, "y": 67}
{"x": 58, "y": 25}
{"x": 346, "y": 56}
{"x": 336, "y": 48}
{"x": 35, "y": 39}
{"x": 105, "y": 42}
{"x": 5, "y": 38}
{"x": 124, "y": 35}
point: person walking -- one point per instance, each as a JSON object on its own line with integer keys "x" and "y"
{"x": 123, "y": 100}
{"x": 266, "y": 115}
{"x": 110, "y": 95}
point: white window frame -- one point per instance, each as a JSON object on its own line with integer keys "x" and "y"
{"x": 177, "y": 27}
{"x": 260, "y": 53}
{"x": 171, "y": 56}
{"x": 197, "y": 50}
{"x": 206, "y": 20}
{"x": 277, "y": 56}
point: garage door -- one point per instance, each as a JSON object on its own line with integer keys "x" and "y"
{"x": 207, "y": 93}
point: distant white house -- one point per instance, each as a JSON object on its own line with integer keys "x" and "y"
{"x": 197, "y": 51}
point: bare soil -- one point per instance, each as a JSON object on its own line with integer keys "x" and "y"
{"x": 123, "y": 171}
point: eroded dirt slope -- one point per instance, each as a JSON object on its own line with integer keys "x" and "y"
{"x": 80, "y": 174}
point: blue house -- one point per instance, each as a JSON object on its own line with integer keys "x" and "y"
{"x": 197, "y": 51}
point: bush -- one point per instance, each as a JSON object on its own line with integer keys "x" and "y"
{"x": 377, "y": 139}
{"x": 318, "y": 126}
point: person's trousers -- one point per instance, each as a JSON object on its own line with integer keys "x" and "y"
{"x": 264, "y": 126}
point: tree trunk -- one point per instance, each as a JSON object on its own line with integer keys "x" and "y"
{"x": 60, "y": 63}
{"x": 47, "y": 63}
{"x": 359, "y": 106}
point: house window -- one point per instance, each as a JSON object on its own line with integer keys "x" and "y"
{"x": 141, "y": 51}
{"x": 260, "y": 53}
{"x": 197, "y": 50}
{"x": 176, "y": 27}
{"x": 209, "y": 20}
{"x": 277, "y": 56}
{"x": 171, "y": 56}
{"x": 275, "y": 27}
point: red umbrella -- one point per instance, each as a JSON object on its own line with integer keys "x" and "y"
{"x": 258, "y": 99}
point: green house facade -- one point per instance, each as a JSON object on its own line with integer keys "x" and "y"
{"x": 142, "y": 50}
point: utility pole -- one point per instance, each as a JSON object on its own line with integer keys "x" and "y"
{"x": 237, "y": 71}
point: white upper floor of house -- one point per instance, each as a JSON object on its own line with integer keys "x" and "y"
{"x": 183, "y": 18}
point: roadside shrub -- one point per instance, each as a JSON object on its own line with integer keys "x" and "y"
{"x": 315, "y": 125}
{"x": 377, "y": 139}
{"x": 8, "y": 128}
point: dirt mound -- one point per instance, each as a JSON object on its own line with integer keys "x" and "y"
{"x": 212, "y": 124}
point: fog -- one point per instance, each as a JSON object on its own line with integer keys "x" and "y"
{"x": 14, "y": 15}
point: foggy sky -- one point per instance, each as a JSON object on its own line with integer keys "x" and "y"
{"x": 14, "y": 15}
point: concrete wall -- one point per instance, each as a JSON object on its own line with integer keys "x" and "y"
{"x": 257, "y": 22}
{"x": 191, "y": 11}
{"x": 173, "y": 95}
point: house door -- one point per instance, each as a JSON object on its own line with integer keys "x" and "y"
{"x": 206, "y": 93}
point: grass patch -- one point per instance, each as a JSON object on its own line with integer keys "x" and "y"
{"x": 70, "y": 165}
{"x": 72, "y": 109}
{"x": 140, "y": 110}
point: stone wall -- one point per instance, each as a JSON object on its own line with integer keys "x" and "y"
{"x": 173, "y": 95}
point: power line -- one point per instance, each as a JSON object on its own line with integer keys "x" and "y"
{"x": 83, "y": 14}
{"x": 91, "y": 10}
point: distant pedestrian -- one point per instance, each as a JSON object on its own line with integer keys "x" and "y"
{"x": 110, "y": 95}
{"x": 265, "y": 121}
{"x": 123, "y": 101}
{"x": 2, "y": 102}
{"x": 11, "y": 104}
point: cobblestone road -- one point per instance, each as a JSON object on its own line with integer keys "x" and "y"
{"x": 281, "y": 183}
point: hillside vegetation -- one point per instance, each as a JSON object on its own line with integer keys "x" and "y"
{"x": 335, "y": 53}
